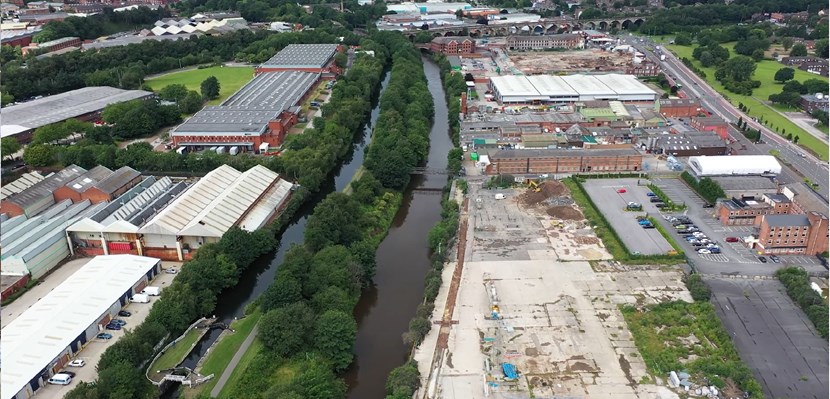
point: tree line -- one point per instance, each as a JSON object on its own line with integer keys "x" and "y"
{"x": 797, "y": 283}
{"x": 105, "y": 23}
{"x": 308, "y": 308}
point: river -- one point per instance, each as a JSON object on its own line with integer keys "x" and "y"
{"x": 384, "y": 310}
{"x": 256, "y": 279}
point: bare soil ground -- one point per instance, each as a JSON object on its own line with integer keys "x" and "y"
{"x": 569, "y": 61}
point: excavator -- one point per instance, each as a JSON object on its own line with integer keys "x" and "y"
{"x": 533, "y": 185}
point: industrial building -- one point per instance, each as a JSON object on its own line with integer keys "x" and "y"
{"x": 737, "y": 211}
{"x": 21, "y": 120}
{"x": 734, "y": 165}
{"x": 40, "y": 342}
{"x": 542, "y": 42}
{"x": 564, "y": 161}
{"x": 687, "y": 144}
{"x": 73, "y": 183}
{"x": 262, "y": 111}
{"x": 452, "y": 45}
{"x": 25, "y": 181}
{"x": 678, "y": 107}
{"x": 802, "y": 234}
{"x": 171, "y": 220}
{"x": 547, "y": 89}
{"x": 427, "y": 8}
{"x": 711, "y": 124}
{"x": 315, "y": 58}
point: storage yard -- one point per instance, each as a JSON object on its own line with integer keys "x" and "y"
{"x": 540, "y": 62}
{"x": 538, "y": 302}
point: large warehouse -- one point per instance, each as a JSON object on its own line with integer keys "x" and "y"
{"x": 547, "y": 89}
{"x": 315, "y": 58}
{"x": 260, "y": 112}
{"x": 40, "y": 342}
{"x": 734, "y": 165}
{"x": 564, "y": 161}
{"x": 21, "y": 120}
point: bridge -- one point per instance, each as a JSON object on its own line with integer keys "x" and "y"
{"x": 545, "y": 26}
{"x": 421, "y": 170}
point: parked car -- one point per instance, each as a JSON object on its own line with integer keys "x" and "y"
{"x": 762, "y": 259}
{"x": 69, "y": 373}
{"x": 104, "y": 336}
{"x": 704, "y": 251}
{"x": 650, "y": 194}
{"x": 775, "y": 258}
{"x": 171, "y": 270}
{"x": 660, "y": 205}
{"x": 621, "y": 191}
{"x": 114, "y": 327}
{"x": 732, "y": 239}
{"x": 118, "y": 321}
{"x": 124, "y": 313}
{"x": 714, "y": 250}
{"x": 60, "y": 379}
{"x": 77, "y": 363}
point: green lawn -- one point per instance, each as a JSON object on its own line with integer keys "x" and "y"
{"x": 239, "y": 371}
{"x": 176, "y": 353}
{"x": 220, "y": 355}
{"x": 230, "y": 79}
{"x": 765, "y": 71}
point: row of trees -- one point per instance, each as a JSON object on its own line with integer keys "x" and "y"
{"x": 797, "y": 283}
{"x": 792, "y": 90}
{"x": 193, "y": 294}
{"x": 709, "y": 189}
{"x": 105, "y": 23}
{"x": 308, "y": 307}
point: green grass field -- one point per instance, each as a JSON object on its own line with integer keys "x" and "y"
{"x": 230, "y": 79}
{"x": 246, "y": 359}
{"x": 176, "y": 353}
{"x": 764, "y": 73}
{"x": 220, "y": 355}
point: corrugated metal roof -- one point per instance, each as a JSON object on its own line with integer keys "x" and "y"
{"x": 117, "y": 179}
{"x": 24, "y": 182}
{"x": 48, "y": 327}
{"x": 89, "y": 179}
{"x": 46, "y": 186}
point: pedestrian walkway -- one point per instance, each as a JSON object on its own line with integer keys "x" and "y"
{"x": 226, "y": 375}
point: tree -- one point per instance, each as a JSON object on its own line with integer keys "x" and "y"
{"x": 813, "y": 86}
{"x": 707, "y": 59}
{"x": 9, "y": 146}
{"x": 822, "y": 48}
{"x": 683, "y": 39}
{"x": 282, "y": 292}
{"x": 758, "y": 55}
{"x": 287, "y": 330}
{"x": 317, "y": 381}
{"x": 784, "y": 74}
{"x": 341, "y": 60}
{"x": 790, "y": 136}
{"x": 787, "y": 42}
{"x": 121, "y": 381}
{"x": 190, "y": 103}
{"x": 404, "y": 379}
{"x": 798, "y": 50}
{"x": 334, "y": 338}
{"x": 336, "y": 220}
{"x": 423, "y": 37}
{"x": 174, "y": 92}
{"x": 795, "y": 139}
{"x": 738, "y": 68}
{"x": 38, "y": 155}
{"x": 210, "y": 88}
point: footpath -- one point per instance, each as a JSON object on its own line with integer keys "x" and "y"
{"x": 226, "y": 375}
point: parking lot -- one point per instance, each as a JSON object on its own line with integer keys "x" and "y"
{"x": 607, "y": 195}
{"x": 775, "y": 339}
{"x": 92, "y": 351}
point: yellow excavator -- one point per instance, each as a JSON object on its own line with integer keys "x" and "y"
{"x": 532, "y": 185}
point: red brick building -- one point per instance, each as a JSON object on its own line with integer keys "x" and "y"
{"x": 803, "y": 234}
{"x": 452, "y": 45}
{"x": 53, "y": 45}
{"x": 564, "y": 161}
{"x": 749, "y": 212}
{"x": 99, "y": 184}
{"x": 711, "y": 124}
{"x": 678, "y": 108}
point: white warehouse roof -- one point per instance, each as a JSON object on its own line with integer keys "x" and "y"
{"x": 548, "y": 85}
{"x": 514, "y": 86}
{"x": 33, "y": 340}
{"x": 587, "y": 84}
{"x": 585, "y": 87}
{"x": 734, "y": 165}
{"x": 623, "y": 84}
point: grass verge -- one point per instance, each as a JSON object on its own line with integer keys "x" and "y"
{"x": 608, "y": 235}
{"x": 33, "y": 282}
{"x": 221, "y": 353}
{"x": 764, "y": 73}
{"x": 675, "y": 336}
{"x": 176, "y": 353}
{"x": 669, "y": 238}
{"x": 230, "y": 80}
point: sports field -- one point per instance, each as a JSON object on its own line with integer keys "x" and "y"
{"x": 764, "y": 73}
{"x": 230, "y": 79}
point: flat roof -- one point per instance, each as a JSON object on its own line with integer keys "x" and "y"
{"x": 623, "y": 84}
{"x": 787, "y": 220}
{"x": 36, "y": 337}
{"x": 587, "y": 84}
{"x": 251, "y": 108}
{"x": 548, "y": 85}
{"x": 302, "y": 56}
{"x": 569, "y": 85}
{"x": 60, "y": 107}
{"x": 745, "y": 183}
{"x": 562, "y": 152}
{"x": 510, "y": 85}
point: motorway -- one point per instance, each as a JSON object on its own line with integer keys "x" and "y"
{"x": 804, "y": 162}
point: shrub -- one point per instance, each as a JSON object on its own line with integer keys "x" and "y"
{"x": 797, "y": 283}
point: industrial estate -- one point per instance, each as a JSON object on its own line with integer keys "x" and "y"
{"x": 597, "y": 203}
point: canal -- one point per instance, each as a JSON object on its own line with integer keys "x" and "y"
{"x": 256, "y": 279}
{"x": 384, "y": 310}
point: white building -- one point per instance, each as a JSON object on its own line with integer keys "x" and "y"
{"x": 556, "y": 89}
{"x": 734, "y": 165}
{"x": 41, "y": 341}
{"x": 428, "y": 7}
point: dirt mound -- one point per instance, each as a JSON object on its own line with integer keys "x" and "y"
{"x": 565, "y": 213}
{"x": 548, "y": 189}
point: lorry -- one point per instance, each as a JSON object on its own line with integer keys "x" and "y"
{"x": 140, "y": 298}
{"x": 662, "y": 57}
{"x": 152, "y": 291}
{"x": 234, "y": 150}
{"x": 220, "y": 150}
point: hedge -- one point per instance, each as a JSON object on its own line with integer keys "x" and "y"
{"x": 706, "y": 187}
{"x": 797, "y": 283}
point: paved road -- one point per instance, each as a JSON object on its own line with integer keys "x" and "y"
{"x": 808, "y": 165}
{"x": 774, "y": 337}
{"x": 234, "y": 361}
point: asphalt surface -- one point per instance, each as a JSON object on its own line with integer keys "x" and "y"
{"x": 775, "y": 338}
{"x": 801, "y": 160}
{"x": 612, "y": 205}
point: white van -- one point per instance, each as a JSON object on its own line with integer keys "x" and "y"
{"x": 500, "y": 196}
{"x": 140, "y": 298}
{"x": 60, "y": 379}
{"x": 152, "y": 291}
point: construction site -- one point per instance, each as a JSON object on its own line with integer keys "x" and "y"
{"x": 531, "y": 306}
{"x": 567, "y": 62}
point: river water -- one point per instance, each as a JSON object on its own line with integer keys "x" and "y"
{"x": 384, "y": 310}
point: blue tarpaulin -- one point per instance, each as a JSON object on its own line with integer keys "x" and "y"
{"x": 509, "y": 371}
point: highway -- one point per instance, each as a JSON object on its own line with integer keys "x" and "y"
{"x": 802, "y": 161}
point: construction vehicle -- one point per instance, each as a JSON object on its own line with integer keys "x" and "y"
{"x": 532, "y": 185}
